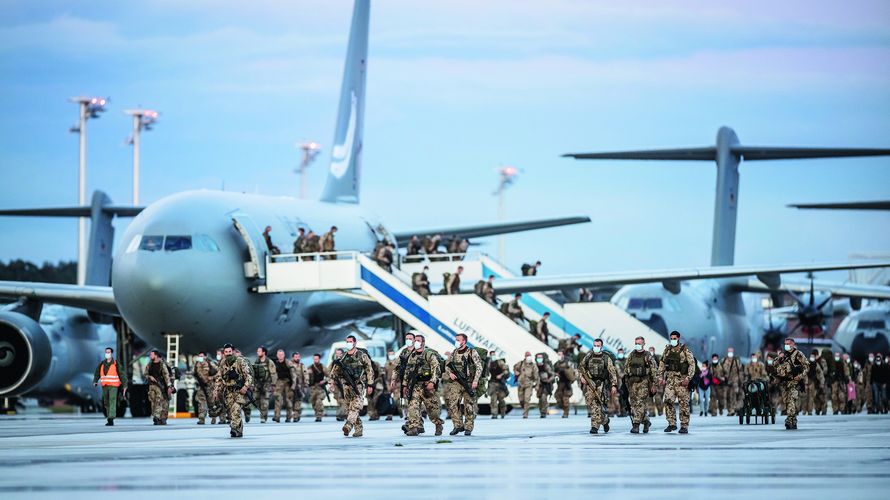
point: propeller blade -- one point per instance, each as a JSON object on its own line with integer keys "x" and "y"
{"x": 796, "y": 299}
{"x": 812, "y": 292}
{"x": 820, "y": 306}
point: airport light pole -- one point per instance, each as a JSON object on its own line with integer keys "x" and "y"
{"x": 90, "y": 107}
{"x": 310, "y": 150}
{"x": 142, "y": 119}
{"x": 507, "y": 178}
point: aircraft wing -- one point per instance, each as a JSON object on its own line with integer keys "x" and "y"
{"x": 74, "y": 211}
{"x": 476, "y": 231}
{"x": 748, "y": 153}
{"x": 670, "y": 277}
{"x": 836, "y": 288}
{"x": 853, "y": 205}
{"x": 92, "y": 298}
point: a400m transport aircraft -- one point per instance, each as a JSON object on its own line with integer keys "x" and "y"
{"x": 195, "y": 283}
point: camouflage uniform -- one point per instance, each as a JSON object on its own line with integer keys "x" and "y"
{"x": 240, "y": 372}
{"x": 732, "y": 391}
{"x": 401, "y": 365}
{"x": 599, "y": 375}
{"x": 373, "y": 414}
{"x": 466, "y": 362}
{"x": 301, "y": 385}
{"x": 285, "y": 372}
{"x": 527, "y": 378}
{"x": 362, "y": 371}
{"x": 824, "y": 390}
{"x": 422, "y": 368}
{"x": 640, "y": 370}
{"x": 204, "y": 373}
{"x": 567, "y": 375}
{"x": 317, "y": 379}
{"x": 839, "y": 377}
{"x": 815, "y": 393}
{"x": 497, "y": 387}
{"x": 677, "y": 363}
{"x": 157, "y": 395}
{"x": 756, "y": 370}
{"x": 657, "y": 406}
{"x": 718, "y": 396}
{"x": 337, "y": 393}
{"x": 546, "y": 378}
{"x": 327, "y": 245}
{"x": 790, "y": 369}
{"x": 265, "y": 378}
{"x": 390, "y": 372}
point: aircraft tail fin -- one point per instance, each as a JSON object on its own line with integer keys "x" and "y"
{"x": 344, "y": 173}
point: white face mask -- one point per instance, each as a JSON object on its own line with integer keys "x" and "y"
{"x": 812, "y": 359}
{"x": 753, "y": 359}
{"x": 674, "y": 342}
{"x": 638, "y": 347}
{"x": 409, "y": 342}
{"x": 199, "y": 359}
{"x": 878, "y": 362}
{"x": 837, "y": 358}
{"x": 597, "y": 349}
{"x": 769, "y": 361}
{"x": 871, "y": 359}
{"x": 418, "y": 344}
{"x": 107, "y": 355}
{"x": 787, "y": 347}
{"x": 539, "y": 360}
{"x": 350, "y": 346}
{"x": 528, "y": 358}
{"x": 219, "y": 357}
{"x": 457, "y": 344}
{"x": 730, "y": 354}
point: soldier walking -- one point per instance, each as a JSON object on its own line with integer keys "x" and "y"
{"x": 498, "y": 371}
{"x": 265, "y": 377}
{"x": 160, "y": 387}
{"x": 526, "y": 372}
{"x": 676, "y": 369}
{"x": 566, "y": 374}
{"x": 113, "y": 381}
{"x": 204, "y": 373}
{"x": 733, "y": 371}
{"x": 421, "y": 374}
{"x": 354, "y": 373}
{"x": 285, "y": 373}
{"x": 234, "y": 379}
{"x": 299, "y": 388}
{"x": 318, "y": 376}
{"x": 640, "y": 371}
{"x": 790, "y": 369}
{"x": 464, "y": 367}
{"x": 546, "y": 378}
{"x": 599, "y": 377}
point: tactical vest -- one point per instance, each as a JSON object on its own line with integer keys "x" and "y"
{"x": 495, "y": 369}
{"x": 354, "y": 365}
{"x": 317, "y": 373}
{"x": 596, "y": 367}
{"x": 154, "y": 369}
{"x": 466, "y": 367}
{"x": 636, "y": 366}
{"x": 811, "y": 373}
{"x": 674, "y": 362}
{"x": 260, "y": 372}
{"x": 423, "y": 366}
{"x": 282, "y": 369}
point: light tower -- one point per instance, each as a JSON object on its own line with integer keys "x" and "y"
{"x": 142, "y": 119}
{"x": 90, "y": 107}
{"x": 507, "y": 178}
{"x": 310, "y": 150}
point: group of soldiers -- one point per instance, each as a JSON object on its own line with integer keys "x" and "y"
{"x": 306, "y": 242}
{"x": 431, "y": 243}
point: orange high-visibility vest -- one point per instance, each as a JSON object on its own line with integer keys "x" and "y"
{"x": 111, "y": 377}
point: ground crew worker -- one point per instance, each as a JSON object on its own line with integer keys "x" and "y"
{"x": 733, "y": 370}
{"x": 354, "y": 373}
{"x": 301, "y": 384}
{"x": 160, "y": 387}
{"x": 640, "y": 370}
{"x": 498, "y": 372}
{"x": 464, "y": 364}
{"x": 514, "y": 310}
{"x": 542, "y": 329}
{"x": 113, "y": 381}
{"x": 318, "y": 376}
{"x": 526, "y": 372}
{"x": 546, "y": 379}
{"x": 327, "y": 243}
{"x": 265, "y": 379}
{"x": 565, "y": 372}
{"x": 676, "y": 369}
{"x": 234, "y": 379}
{"x": 300, "y": 242}
{"x": 420, "y": 282}
{"x": 422, "y": 374}
{"x": 204, "y": 373}
{"x": 790, "y": 369}
{"x": 452, "y": 282}
{"x": 598, "y": 376}
{"x": 840, "y": 375}
{"x": 285, "y": 372}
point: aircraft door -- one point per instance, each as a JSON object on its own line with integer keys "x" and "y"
{"x": 256, "y": 246}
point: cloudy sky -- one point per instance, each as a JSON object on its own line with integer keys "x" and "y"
{"x": 456, "y": 89}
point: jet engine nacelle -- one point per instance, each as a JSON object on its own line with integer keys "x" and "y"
{"x": 25, "y": 354}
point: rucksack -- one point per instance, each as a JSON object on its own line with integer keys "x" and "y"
{"x": 438, "y": 358}
{"x": 533, "y": 327}
{"x": 479, "y": 288}
{"x": 260, "y": 372}
{"x": 374, "y": 367}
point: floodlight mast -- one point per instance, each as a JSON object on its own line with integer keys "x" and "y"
{"x": 507, "y": 177}
{"x": 142, "y": 119}
{"x": 90, "y": 107}
{"x": 310, "y": 151}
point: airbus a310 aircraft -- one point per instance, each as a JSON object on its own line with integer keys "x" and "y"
{"x": 181, "y": 266}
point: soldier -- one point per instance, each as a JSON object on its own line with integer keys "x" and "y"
{"x": 112, "y": 380}
{"x": 755, "y": 369}
{"x": 285, "y": 373}
{"x": 567, "y": 376}
{"x": 337, "y": 389}
{"x": 880, "y": 377}
{"x": 657, "y": 407}
{"x": 452, "y": 282}
{"x": 234, "y": 379}
{"x": 384, "y": 256}
{"x": 420, "y": 282}
{"x": 464, "y": 366}
{"x": 377, "y": 393}
{"x": 160, "y": 387}
{"x": 571, "y": 346}
{"x": 514, "y": 310}
{"x": 318, "y": 375}
{"x": 301, "y": 384}
{"x": 813, "y": 381}
{"x": 840, "y": 375}
{"x": 265, "y": 378}
{"x": 546, "y": 378}
{"x": 774, "y": 392}
{"x": 389, "y": 374}
{"x": 530, "y": 270}
{"x": 598, "y": 375}
{"x": 542, "y": 329}
{"x": 733, "y": 370}
{"x": 526, "y": 372}
{"x": 267, "y": 235}
{"x": 865, "y": 389}
{"x": 223, "y": 415}
{"x": 300, "y": 242}
{"x": 414, "y": 246}
{"x": 355, "y": 374}
{"x": 488, "y": 293}
{"x": 640, "y": 371}
{"x": 327, "y": 243}
{"x": 421, "y": 373}
{"x": 718, "y": 398}
{"x": 676, "y": 369}
{"x": 395, "y": 385}
{"x": 616, "y": 406}
{"x": 498, "y": 372}
{"x": 204, "y": 373}
{"x": 789, "y": 370}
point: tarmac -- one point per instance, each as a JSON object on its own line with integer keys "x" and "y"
{"x": 844, "y": 456}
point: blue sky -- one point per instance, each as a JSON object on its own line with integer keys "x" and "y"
{"x": 456, "y": 89}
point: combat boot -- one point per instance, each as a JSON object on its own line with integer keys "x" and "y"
{"x": 503, "y": 415}
{"x": 388, "y": 418}
{"x": 346, "y": 430}
{"x": 593, "y": 430}
{"x": 455, "y": 431}
{"x": 277, "y": 420}
{"x": 318, "y": 419}
{"x": 411, "y": 432}
{"x": 233, "y": 434}
{"x": 670, "y": 428}
{"x": 439, "y": 429}
{"x": 405, "y": 428}
{"x": 110, "y": 422}
{"x": 358, "y": 433}
{"x": 606, "y": 427}
{"x": 373, "y": 418}
{"x": 247, "y": 418}
{"x": 635, "y": 429}
{"x": 543, "y": 415}
{"x": 213, "y": 421}
{"x": 646, "y": 425}
{"x": 200, "y": 421}
{"x": 684, "y": 430}
{"x": 287, "y": 420}
{"x": 494, "y": 417}
{"x": 296, "y": 419}
{"x": 467, "y": 433}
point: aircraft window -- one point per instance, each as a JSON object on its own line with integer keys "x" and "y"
{"x": 653, "y": 303}
{"x": 151, "y": 243}
{"x": 134, "y": 243}
{"x": 204, "y": 243}
{"x": 176, "y": 243}
{"x": 876, "y": 324}
{"x": 636, "y": 303}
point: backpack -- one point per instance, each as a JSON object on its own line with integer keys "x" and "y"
{"x": 479, "y": 288}
{"x": 693, "y": 382}
{"x": 375, "y": 369}
{"x": 446, "y": 277}
{"x": 439, "y": 358}
{"x": 260, "y": 373}
{"x": 533, "y": 327}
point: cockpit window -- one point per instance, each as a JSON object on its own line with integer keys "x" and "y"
{"x": 176, "y": 243}
{"x": 151, "y": 243}
{"x": 653, "y": 303}
{"x": 874, "y": 324}
{"x": 204, "y": 243}
{"x": 636, "y": 303}
{"x": 644, "y": 303}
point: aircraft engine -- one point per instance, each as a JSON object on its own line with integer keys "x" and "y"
{"x": 25, "y": 354}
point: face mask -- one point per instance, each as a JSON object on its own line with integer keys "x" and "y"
{"x": 787, "y": 347}
{"x": 528, "y": 358}
{"x": 199, "y": 359}
{"x": 754, "y": 359}
{"x": 878, "y": 362}
{"x": 714, "y": 361}
{"x": 638, "y": 347}
{"x": 674, "y": 342}
{"x": 418, "y": 344}
{"x": 837, "y": 358}
{"x": 350, "y": 346}
{"x": 408, "y": 342}
{"x": 730, "y": 354}
{"x": 107, "y": 355}
{"x": 871, "y": 359}
{"x": 539, "y": 360}
{"x": 218, "y": 357}
{"x": 651, "y": 352}
{"x": 769, "y": 361}
{"x": 812, "y": 359}
{"x": 597, "y": 349}
{"x": 620, "y": 355}
{"x": 457, "y": 344}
